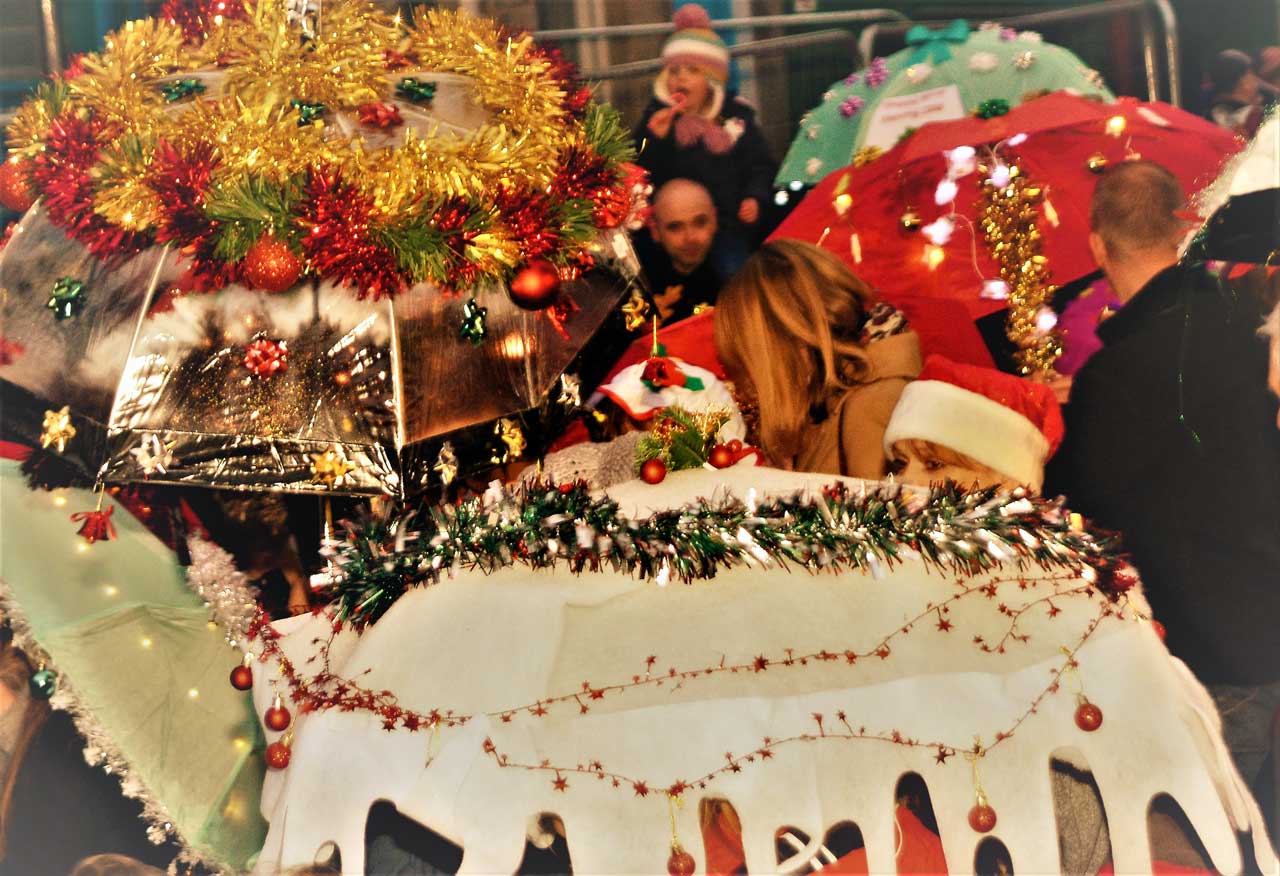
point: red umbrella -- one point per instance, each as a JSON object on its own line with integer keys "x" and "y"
{"x": 1052, "y": 141}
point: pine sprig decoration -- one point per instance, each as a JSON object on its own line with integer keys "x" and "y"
{"x": 605, "y": 132}
{"x": 544, "y": 525}
{"x": 245, "y": 208}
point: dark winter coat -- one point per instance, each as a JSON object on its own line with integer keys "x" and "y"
{"x": 1172, "y": 440}
{"x": 745, "y": 171}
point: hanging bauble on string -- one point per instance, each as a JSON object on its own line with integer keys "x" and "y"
{"x": 722, "y": 456}
{"x": 680, "y": 863}
{"x": 43, "y": 683}
{"x": 1097, "y": 162}
{"x": 242, "y": 675}
{"x": 278, "y": 754}
{"x": 536, "y": 285}
{"x": 15, "y": 185}
{"x": 910, "y": 221}
{"x": 982, "y": 818}
{"x": 1088, "y": 716}
{"x": 277, "y": 717}
{"x": 270, "y": 264}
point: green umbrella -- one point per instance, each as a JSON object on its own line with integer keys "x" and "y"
{"x": 941, "y": 74}
{"x": 139, "y": 664}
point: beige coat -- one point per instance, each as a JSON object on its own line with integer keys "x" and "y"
{"x": 850, "y": 441}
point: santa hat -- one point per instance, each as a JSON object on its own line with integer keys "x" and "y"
{"x": 647, "y": 387}
{"x": 1008, "y": 424}
{"x": 696, "y": 44}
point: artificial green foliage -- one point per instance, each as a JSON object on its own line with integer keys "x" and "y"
{"x": 249, "y": 207}
{"x": 607, "y": 134}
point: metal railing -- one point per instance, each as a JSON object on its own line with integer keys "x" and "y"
{"x": 798, "y": 19}
{"x": 1143, "y": 8}
{"x": 768, "y": 46}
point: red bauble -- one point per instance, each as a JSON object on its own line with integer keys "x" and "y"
{"x": 536, "y": 286}
{"x": 1159, "y": 628}
{"x": 735, "y": 447}
{"x": 270, "y": 264}
{"x": 277, "y": 717}
{"x": 15, "y": 185}
{"x": 1088, "y": 717}
{"x": 681, "y": 863}
{"x": 242, "y": 678}
{"x": 654, "y": 471}
{"x": 278, "y": 755}
{"x": 982, "y": 818}
{"x": 721, "y": 456}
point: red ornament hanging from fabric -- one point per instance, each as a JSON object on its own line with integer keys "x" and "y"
{"x": 653, "y": 471}
{"x": 270, "y": 264}
{"x": 681, "y": 863}
{"x": 278, "y": 755}
{"x": 242, "y": 675}
{"x": 982, "y": 818}
{"x": 536, "y": 286}
{"x": 1088, "y": 716}
{"x": 16, "y": 192}
{"x": 96, "y": 525}
{"x": 277, "y": 717}
{"x": 265, "y": 358}
{"x": 1158, "y": 627}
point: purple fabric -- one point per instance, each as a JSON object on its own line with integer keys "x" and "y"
{"x": 691, "y": 129}
{"x": 1077, "y": 325}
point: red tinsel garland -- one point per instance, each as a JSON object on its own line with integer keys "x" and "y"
{"x": 576, "y": 95}
{"x": 62, "y": 172}
{"x": 181, "y": 181}
{"x": 337, "y": 242}
{"x": 526, "y": 214}
{"x": 198, "y": 17}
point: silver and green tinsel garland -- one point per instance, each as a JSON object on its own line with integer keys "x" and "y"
{"x": 545, "y": 525}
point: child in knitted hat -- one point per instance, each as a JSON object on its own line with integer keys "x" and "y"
{"x": 975, "y": 426}
{"x": 696, "y": 129}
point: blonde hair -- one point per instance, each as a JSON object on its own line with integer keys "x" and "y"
{"x": 922, "y": 448}
{"x": 786, "y": 330}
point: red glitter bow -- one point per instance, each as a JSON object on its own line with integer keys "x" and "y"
{"x": 380, "y": 115}
{"x": 265, "y": 358}
{"x": 95, "y": 525}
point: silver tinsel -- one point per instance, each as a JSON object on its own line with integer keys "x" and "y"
{"x": 226, "y": 591}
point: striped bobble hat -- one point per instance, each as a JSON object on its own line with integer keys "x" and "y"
{"x": 696, "y": 44}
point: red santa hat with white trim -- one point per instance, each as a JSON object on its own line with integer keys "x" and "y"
{"x": 1008, "y": 424}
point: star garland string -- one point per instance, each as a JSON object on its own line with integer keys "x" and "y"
{"x": 201, "y": 95}
{"x": 327, "y": 690}
{"x": 544, "y": 525}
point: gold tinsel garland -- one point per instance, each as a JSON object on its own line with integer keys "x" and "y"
{"x": 244, "y": 86}
{"x": 1007, "y": 216}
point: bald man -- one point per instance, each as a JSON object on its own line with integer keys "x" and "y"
{"x": 680, "y": 271}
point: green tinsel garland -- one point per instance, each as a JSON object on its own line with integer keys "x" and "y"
{"x": 542, "y": 525}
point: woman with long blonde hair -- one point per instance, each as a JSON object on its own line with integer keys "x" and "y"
{"x": 803, "y": 337}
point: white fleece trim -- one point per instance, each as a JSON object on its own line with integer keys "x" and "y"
{"x": 970, "y": 423}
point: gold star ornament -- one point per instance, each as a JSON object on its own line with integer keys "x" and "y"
{"x": 57, "y": 429}
{"x": 330, "y": 467}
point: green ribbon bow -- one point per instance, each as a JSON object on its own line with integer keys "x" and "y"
{"x": 473, "y": 316}
{"x": 307, "y": 112}
{"x": 67, "y": 298}
{"x": 183, "y": 88}
{"x": 416, "y": 90}
{"x": 932, "y": 44}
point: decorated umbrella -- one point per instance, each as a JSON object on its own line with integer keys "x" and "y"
{"x": 312, "y": 246}
{"x": 125, "y": 643}
{"x": 940, "y": 75}
{"x": 1242, "y": 208}
{"x": 990, "y": 210}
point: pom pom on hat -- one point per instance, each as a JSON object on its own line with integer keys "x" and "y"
{"x": 1006, "y": 423}
{"x": 696, "y": 44}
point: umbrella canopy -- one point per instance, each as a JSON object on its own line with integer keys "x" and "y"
{"x": 1243, "y": 206}
{"x": 284, "y": 287}
{"x": 138, "y": 664}
{"x": 940, "y": 75}
{"x": 882, "y": 218}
